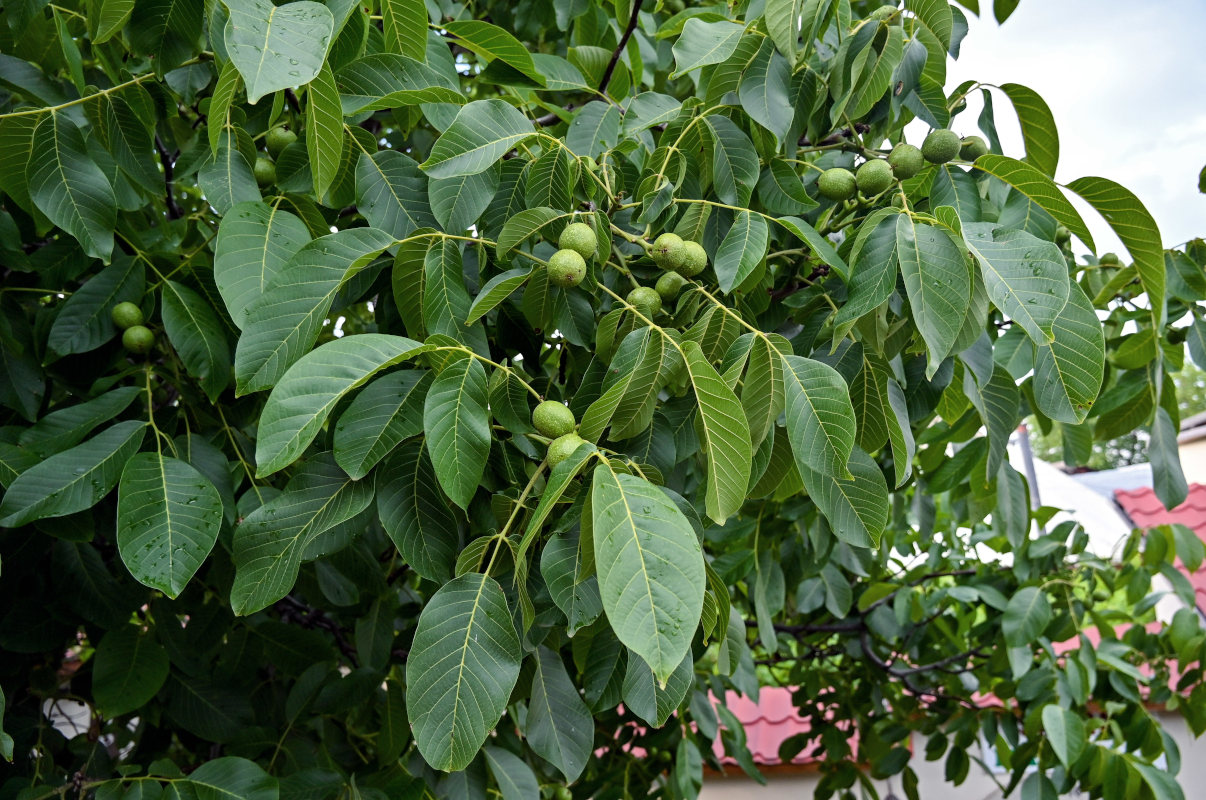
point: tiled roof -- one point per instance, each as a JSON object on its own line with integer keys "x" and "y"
{"x": 768, "y": 723}
{"x": 1146, "y": 511}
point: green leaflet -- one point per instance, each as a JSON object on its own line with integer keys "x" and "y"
{"x": 324, "y": 130}
{"x": 856, "y": 506}
{"x": 653, "y": 699}
{"x": 391, "y": 193}
{"x": 254, "y": 242}
{"x": 168, "y": 516}
{"x": 481, "y": 134}
{"x": 384, "y": 80}
{"x": 300, "y": 403}
{"x": 514, "y": 777}
{"x": 283, "y": 323}
{"x": 560, "y": 728}
{"x": 458, "y": 202}
{"x": 415, "y": 514}
{"x": 128, "y": 670}
{"x": 198, "y": 336}
{"x": 457, "y": 423}
{"x": 725, "y": 436}
{"x": 227, "y": 179}
{"x": 1026, "y": 616}
{"x": 741, "y": 250}
{"x": 650, "y": 567}
{"x": 1025, "y": 277}
{"x": 1039, "y": 134}
{"x": 69, "y": 188}
{"x": 492, "y": 42}
{"x": 702, "y": 43}
{"x": 84, "y": 322}
{"x": 405, "y": 26}
{"x": 938, "y": 284}
{"x": 1068, "y": 370}
{"x": 820, "y": 418}
{"x": 1134, "y": 225}
{"x": 66, "y": 427}
{"x": 277, "y": 47}
{"x": 72, "y": 480}
{"x": 1033, "y": 183}
{"x": 271, "y": 542}
{"x": 464, "y": 663}
{"x": 387, "y": 411}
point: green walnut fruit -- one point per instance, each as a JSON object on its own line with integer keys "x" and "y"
{"x": 1062, "y": 235}
{"x": 563, "y": 793}
{"x": 669, "y": 285}
{"x": 553, "y": 419}
{"x": 972, "y": 148}
{"x": 837, "y": 184}
{"x": 646, "y": 300}
{"x": 906, "y": 161}
{"x": 886, "y": 12}
{"x": 579, "y": 237}
{"x": 695, "y": 260}
{"x": 265, "y": 172}
{"x": 1109, "y": 260}
{"x": 668, "y": 251}
{"x": 567, "y": 268}
{"x": 874, "y": 177}
{"x": 941, "y": 146}
{"x": 126, "y": 315}
{"x": 563, "y": 447}
{"x": 278, "y": 139}
{"x": 138, "y": 339}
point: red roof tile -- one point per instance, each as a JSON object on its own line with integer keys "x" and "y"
{"x": 1146, "y": 511}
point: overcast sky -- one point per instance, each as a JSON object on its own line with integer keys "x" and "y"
{"x": 1126, "y": 82}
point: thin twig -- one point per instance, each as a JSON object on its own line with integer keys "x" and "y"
{"x": 615, "y": 56}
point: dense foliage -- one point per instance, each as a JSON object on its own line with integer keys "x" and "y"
{"x": 283, "y": 286}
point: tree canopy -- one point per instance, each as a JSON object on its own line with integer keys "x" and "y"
{"x": 284, "y": 284}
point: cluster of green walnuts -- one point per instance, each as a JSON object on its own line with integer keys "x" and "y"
{"x": 135, "y": 337}
{"x": 877, "y": 175}
{"x": 680, "y": 260}
{"x": 276, "y": 140}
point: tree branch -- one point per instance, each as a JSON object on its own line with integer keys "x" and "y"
{"x": 169, "y": 163}
{"x": 615, "y": 56}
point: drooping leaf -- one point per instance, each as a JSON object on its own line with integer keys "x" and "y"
{"x": 277, "y": 47}
{"x": 1135, "y": 226}
{"x": 725, "y": 434}
{"x": 820, "y": 418}
{"x": 1026, "y": 616}
{"x": 324, "y": 130}
{"x": 254, "y": 242}
{"x": 415, "y": 515}
{"x": 650, "y": 566}
{"x": 1068, "y": 371}
{"x": 1038, "y": 187}
{"x": 271, "y": 541}
{"x": 938, "y": 284}
{"x": 128, "y": 670}
{"x": 74, "y": 479}
{"x": 198, "y": 336}
{"x": 457, "y": 423}
{"x": 481, "y": 134}
{"x": 464, "y": 662}
{"x": 168, "y": 517}
{"x": 283, "y": 322}
{"x": 69, "y": 188}
{"x": 1026, "y": 277}
{"x": 300, "y": 403}
{"x": 387, "y": 411}
{"x": 560, "y": 728}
